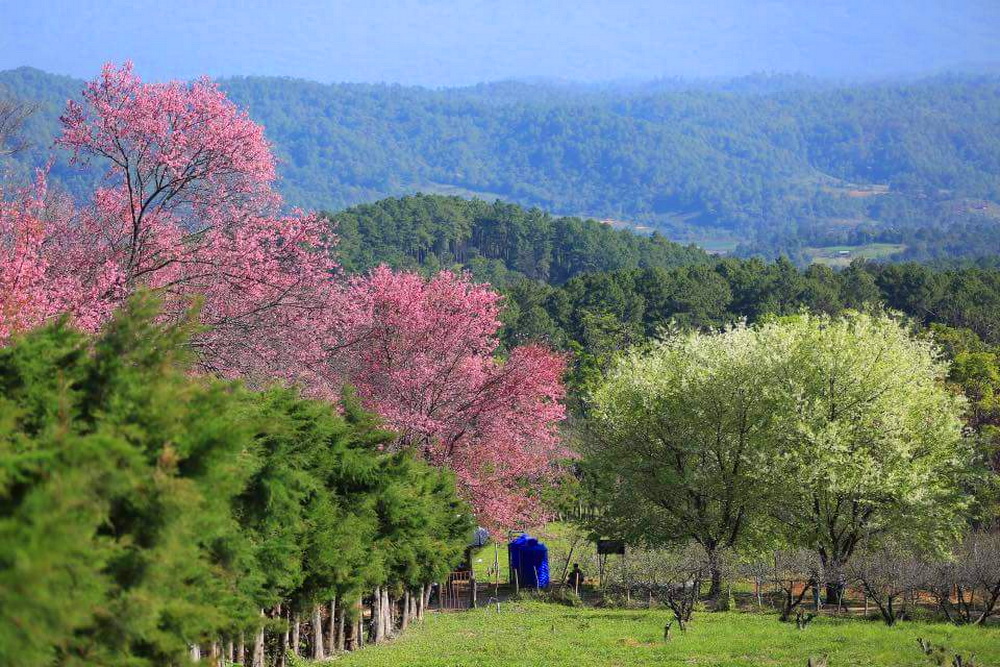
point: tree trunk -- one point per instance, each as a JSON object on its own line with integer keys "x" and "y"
{"x": 388, "y": 623}
{"x": 378, "y": 617}
{"x": 350, "y": 637}
{"x": 405, "y": 620}
{"x": 241, "y": 650}
{"x": 425, "y": 600}
{"x": 285, "y": 638}
{"x": 359, "y": 642}
{"x": 331, "y": 638}
{"x": 195, "y": 653}
{"x": 715, "y": 589}
{"x": 715, "y": 570}
{"x": 989, "y": 605}
{"x": 295, "y": 633}
{"x": 383, "y": 627}
{"x": 340, "y": 627}
{"x": 387, "y": 614}
{"x": 258, "y": 647}
{"x": 317, "y": 633}
{"x": 375, "y": 624}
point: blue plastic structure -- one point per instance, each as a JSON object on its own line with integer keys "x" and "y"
{"x": 529, "y": 562}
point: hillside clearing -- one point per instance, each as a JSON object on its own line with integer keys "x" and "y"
{"x": 842, "y": 255}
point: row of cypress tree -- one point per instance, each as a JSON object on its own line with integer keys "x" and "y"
{"x": 152, "y": 517}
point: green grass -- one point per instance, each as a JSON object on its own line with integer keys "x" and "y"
{"x": 546, "y": 634}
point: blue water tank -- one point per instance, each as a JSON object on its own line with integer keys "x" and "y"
{"x": 529, "y": 562}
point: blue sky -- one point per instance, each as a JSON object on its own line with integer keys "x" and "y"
{"x": 443, "y": 43}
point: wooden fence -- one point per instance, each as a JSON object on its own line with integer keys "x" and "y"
{"x": 458, "y": 591}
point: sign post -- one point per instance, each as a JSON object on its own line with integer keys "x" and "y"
{"x": 606, "y": 548}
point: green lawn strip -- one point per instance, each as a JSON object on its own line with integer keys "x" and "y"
{"x": 541, "y": 634}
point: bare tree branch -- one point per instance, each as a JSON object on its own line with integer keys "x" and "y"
{"x": 13, "y": 114}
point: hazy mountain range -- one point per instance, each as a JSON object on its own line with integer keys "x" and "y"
{"x": 766, "y": 163}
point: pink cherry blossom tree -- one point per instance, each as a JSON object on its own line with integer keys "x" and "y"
{"x": 188, "y": 209}
{"x": 423, "y": 354}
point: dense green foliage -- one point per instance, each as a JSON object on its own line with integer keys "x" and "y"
{"x": 499, "y": 243}
{"x": 143, "y": 511}
{"x": 117, "y": 471}
{"x": 597, "y": 314}
{"x": 774, "y": 167}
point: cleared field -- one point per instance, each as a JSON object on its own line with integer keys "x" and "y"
{"x": 716, "y": 246}
{"x": 547, "y": 634}
{"x": 842, "y": 255}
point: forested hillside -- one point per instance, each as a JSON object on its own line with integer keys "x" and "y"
{"x": 771, "y": 165}
{"x": 499, "y": 243}
{"x": 596, "y": 315}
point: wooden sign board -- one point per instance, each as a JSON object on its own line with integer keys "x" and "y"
{"x": 610, "y": 547}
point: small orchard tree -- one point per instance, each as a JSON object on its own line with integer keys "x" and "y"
{"x": 757, "y": 569}
{"x": 683, "y": 435}
{"x": 683, "y": 572}
{"x": 874, "y": 438}
{"x": 966, "y": 585}
{"x": 979, "y": 568}
{"x": 672, "y": 577}
{"x": 887, "y": 574}
{"x": 794, "y": 572}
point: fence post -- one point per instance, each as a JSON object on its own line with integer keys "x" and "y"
{"x": 628, "y": 592}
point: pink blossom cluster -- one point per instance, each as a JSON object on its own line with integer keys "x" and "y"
{"x": 26, "y": 297}
{"x": 423, "y": 354}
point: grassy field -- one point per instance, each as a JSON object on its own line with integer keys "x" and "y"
{"x": 531, "y": 633}
{"x": 548, "y": 634}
